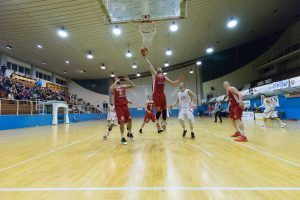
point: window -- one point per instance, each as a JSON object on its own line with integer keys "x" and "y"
{"x": 61, "y": 82}
{"x": 21, "y": 69}
{"x": 8, "y": 64}
{"x": 27, "y": 71}
{"x": 14, "y": 67}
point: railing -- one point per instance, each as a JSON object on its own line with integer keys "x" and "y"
{"x": 27, "y": 107}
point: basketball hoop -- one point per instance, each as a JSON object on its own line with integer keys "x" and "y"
{"x": 148, "y": 30}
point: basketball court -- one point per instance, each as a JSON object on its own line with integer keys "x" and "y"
{"x": 71, "y": 70}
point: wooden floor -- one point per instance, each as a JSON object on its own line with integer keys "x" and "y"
{"x": 73, "y": 162}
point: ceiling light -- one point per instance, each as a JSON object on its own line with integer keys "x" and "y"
{"x": 173, "y": 27}
{"x": 65, "y": 72}
{"x": 62, "y": 32}
{"x": 89, "y": 55}
{"x": 8, "y": 47}
{"x": 191, "y": 71}
{"x": 82, "y": 71}
{"x": 232, "y": 22}
{"x": 198, "y": 63}
{"x": 67, "y": 62}
{"x": 165, "y": 73}
{"x": 138, "y": 74}
{"x": 134, "y": 66}
{"x": 129, "y": 54}
{"x": 44, "y": 63}
{"x": 39, "y": 46}
{"x": 166, "y": 64}
{"x": 209, "y": 50}
{"x": 168, "y": 52}
{"x": 112, "y": 75}
{"x": 103, "y": 66}
{"x": 117, "y": 30}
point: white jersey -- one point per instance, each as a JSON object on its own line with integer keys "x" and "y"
{"x": 185, "y": 100}
{"x": 268, "y": 106}
{"x": 111, "y": 111}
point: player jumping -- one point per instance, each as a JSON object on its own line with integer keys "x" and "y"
{"x": 235, "y": 108}
{"x": 121, "y": 106}
{"x": 159, "y": 97}
{"x": 185, "y": 100}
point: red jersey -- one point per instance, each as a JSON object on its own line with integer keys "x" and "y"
{"x": 120, "y": 95}
{"x": 158, "y": 82}
{"x": 233, "y": 98}
{"x": 150, "y": 105}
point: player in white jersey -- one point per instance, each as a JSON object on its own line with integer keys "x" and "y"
{"x": 270, "y": 112}
{"x": 185, "y": 100}
{"x": 111, "y": 119}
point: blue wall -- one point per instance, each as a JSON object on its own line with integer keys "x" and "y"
{"x": 22, "y": 121}
{"x": 290, "y": 106}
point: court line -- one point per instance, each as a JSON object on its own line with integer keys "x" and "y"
{"x": 166, "y": 188}
{"x": 195, "y": 146}
{"x": 45, "y": 154}
{"x": 256, "y": 149}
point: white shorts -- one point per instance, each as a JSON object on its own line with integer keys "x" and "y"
{"x": 113, "y": 119}
{"x": 271, "y": 114}
{"x": 186, "y": 114}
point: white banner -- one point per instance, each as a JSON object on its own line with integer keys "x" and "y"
{"x": 259, "y": 115}
{"x": 275, "y": 99}
{"x": 280, "y": 84}
{"x": 263, "y": 89}
{"x": 221, "y": 98}
{"x": 295, "y": 82}
{"x": 247, "y": 104}
{"x": 245, "y": 92}
{"x": 248, "y": 115}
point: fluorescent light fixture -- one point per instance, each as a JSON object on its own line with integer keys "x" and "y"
{"x": 44, "y": 63}
{"x": 165, "y": 73}
{"x": 209, "y": 50}
{"x": 191, "y": 71}
{"x": 232, "y": 22}
{"x": 168, "y": 52}
{"x": 9, "y": 47}
{"x": 89, "y": 55}
{"x": 134, "y": 66}
{"x": 39, "y": 46}
{"x": 198, "y": 63}
{"x": 103, "y": 66}
{"x": 117, "y": 30}
{"x": 112, "y": 75}
{"x": 67, "y": 62}
{"x": 173, "y": 27}
{"x": 166, "y": 64}
{"x": 128, "y": 54}
{"x": 62, "y": 32}
{"x": 138, "y": 74}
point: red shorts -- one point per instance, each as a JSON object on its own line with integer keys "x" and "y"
{"x": 160, "y": 101}
{"x": 235, "y": 112}
{"x": 123, "y": 114}
{"x": 149, "y": 116}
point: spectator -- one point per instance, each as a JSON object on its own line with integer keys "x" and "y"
{"x": 3, "y": 69}
{"x": 39, "y": 83}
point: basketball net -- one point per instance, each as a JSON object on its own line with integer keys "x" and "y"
{"x": 146, "y": 27}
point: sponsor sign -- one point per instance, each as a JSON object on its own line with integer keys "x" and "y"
{"x": 263, "y": 89}
{"x": 295, "y": 82}
{"x": 280, "y": 84}
{"x": 247, "y": 104}
{"x": 248, "y": 115}
{"x": 259, "y": 115}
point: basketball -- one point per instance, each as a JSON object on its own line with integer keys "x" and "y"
{"x": 144, "y": 51}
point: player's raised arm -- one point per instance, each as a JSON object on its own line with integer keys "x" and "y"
{"x": 150, "y": 66}
{"x": 174, "y": 83}
{"x": 131, "y": 84}
{"x": 113, "y": 86}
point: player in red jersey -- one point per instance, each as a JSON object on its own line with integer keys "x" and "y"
{"x": 159, "y": 97}
{"x": 149, "y": 115}
{"x": 121, "y": 106}
{"x": 235, "y": 108}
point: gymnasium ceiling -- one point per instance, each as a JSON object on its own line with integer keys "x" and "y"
{"x": 26, "y": 23}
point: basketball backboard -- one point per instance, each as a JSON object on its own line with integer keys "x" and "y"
{"x": 123, "y": 11}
